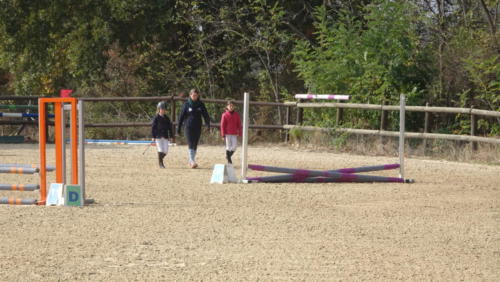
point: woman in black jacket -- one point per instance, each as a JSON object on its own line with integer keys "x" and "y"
{"x": 192, "y": 112}
{"x": 161, "y": 129}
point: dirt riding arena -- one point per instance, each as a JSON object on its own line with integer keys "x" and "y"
{"x": 150, "y": 224}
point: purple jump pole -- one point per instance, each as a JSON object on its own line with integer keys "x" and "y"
{"x": 358, "y": 178}
{"x": 308, "y": 173}
{"x": 332, "y": 177}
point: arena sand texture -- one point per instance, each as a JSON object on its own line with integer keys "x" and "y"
{"x": 150, "y": 224}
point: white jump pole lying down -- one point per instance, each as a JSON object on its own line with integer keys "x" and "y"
{"x": 244, "y": 145}
{"x": 322, "y": 96}
{"x": 402, "y": 105}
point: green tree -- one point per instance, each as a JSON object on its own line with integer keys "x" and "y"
{"x": 373, "y": 59}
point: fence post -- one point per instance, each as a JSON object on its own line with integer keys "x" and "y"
{"x": 300, "y": 113}
{"x": 383, "y": 122}
{"x": 287, "y": 121}
{"x": 383, "y": 118}
{"x": 426, "y": 126}
{"x": 338, "y": 118}
{"x": 473, "y": 126}
{"x": 173, "y": 116}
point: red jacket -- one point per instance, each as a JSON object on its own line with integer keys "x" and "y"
{"x": 230, "y": 123}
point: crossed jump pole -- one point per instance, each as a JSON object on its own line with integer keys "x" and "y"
{"x": 340, "y": 175}
{"x": 310, "y": 173}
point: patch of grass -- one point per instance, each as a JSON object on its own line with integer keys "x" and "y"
{"x": 388, "y": 146}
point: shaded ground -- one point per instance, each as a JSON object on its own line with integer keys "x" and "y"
{"x": 152, "y": 224}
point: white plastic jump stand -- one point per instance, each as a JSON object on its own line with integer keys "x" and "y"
{"x": 55, "y": 196}
{"x": 223, "y": 173}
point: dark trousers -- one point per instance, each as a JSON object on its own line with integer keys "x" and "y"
{"x": 193, "y": 136}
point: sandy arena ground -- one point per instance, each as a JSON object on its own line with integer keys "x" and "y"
{"x": 150, "y": 224}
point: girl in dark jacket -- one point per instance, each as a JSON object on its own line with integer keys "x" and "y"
{"x": 161, "y": 129}
{"x": 192, "y": 112}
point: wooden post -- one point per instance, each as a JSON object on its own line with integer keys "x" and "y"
{"x": 473, "y": 126}
{"x": 426, "y": 126}
{"x": 300, "y": 114}
{"x": 287, "y": 121}
{"x": 383, "y": 118}
{"x": 173, "y": 117}
{"x": 383, "y": 122}
{"x": 338, "y": 118}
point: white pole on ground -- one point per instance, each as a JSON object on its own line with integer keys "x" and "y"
{"x": 81, "y": 150}
{"x": 244, "y": 145}
{"x": 402, "y": 105}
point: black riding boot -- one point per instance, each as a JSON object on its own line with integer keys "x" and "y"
{"x": 228, "y": 157}
{"x": 161, "y": 155}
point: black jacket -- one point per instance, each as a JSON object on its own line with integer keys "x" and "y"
{"x": 191, "y": 115}
{"x": 161, "y": 127}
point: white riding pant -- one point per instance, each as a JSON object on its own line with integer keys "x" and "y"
{"x": 162, "y": 145}
{"x": 231, "y": 142}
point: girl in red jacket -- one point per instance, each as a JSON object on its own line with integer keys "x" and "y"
{"x": 230, "y": 129}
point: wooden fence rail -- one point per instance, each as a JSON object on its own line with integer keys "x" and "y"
{"x": 469, "y": 111}
{"x": 419, "y": 135}
{"x": 299, "y": 106}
